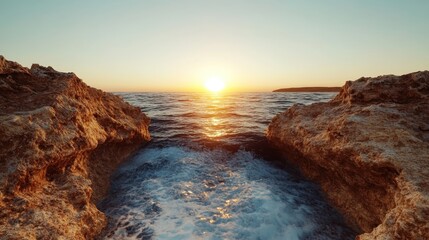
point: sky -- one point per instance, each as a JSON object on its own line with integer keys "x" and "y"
{"x": 253, "y": 45}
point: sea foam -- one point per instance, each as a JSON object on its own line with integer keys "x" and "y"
{"x": 184, "y": 193}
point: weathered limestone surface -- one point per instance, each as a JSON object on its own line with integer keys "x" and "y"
{"x": 369, "y": 150}
{"x": 59, "y": 142}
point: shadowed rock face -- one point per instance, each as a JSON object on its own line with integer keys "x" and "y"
{"x": 369, "y": 150}
{"x": 59, "y": 142}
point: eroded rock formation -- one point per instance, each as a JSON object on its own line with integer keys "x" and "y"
{"x": 369, "y": 150}
{"x": 59, "y": 142}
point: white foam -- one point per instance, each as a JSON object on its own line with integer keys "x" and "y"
{"x": 178, "y": 193}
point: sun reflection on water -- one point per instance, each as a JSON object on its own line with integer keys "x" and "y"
{"x": 213, "y": 127}
{"x": 177, "y": 189}
{"x": 215, "y": 121}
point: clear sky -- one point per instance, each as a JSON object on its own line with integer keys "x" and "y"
{"x": 255, "y": 45}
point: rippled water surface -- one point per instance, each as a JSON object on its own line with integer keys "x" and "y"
{"x": 210, "y": 174}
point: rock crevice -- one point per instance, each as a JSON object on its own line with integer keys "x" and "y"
{"x": 369, "y": 151}
{"x": 60, "y": 140}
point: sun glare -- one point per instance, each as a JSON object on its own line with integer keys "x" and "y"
{"x": 215, "y": 84}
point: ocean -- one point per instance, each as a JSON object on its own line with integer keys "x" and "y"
{"x": 209, "y": 173}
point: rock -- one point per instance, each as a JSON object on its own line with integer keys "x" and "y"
{"x": 369, "y": 150}
{"x": 60, "y": 140}
{"x": 9, "y": 67}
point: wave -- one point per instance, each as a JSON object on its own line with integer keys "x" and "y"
{"x": 182, "y": 193}
{"x": 210, "y": 173}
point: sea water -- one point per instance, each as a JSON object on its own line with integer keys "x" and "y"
{"x": 209, "y": 173}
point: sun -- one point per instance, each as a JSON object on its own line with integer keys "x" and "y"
{"x": 215, "y": 84}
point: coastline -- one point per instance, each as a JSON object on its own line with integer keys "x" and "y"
{"x": 368, "y": 148}
{"x": 60, "y": 141}
{"x": 309, "y": 89}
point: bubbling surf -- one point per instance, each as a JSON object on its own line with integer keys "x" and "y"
{"x": 205, "y": 175}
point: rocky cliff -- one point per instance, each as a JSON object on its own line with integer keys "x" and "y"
{"x": 369, "y": 150}
{"x": 59, "y": 142}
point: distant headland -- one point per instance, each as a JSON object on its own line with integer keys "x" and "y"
{"x": 309, "y": 89}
